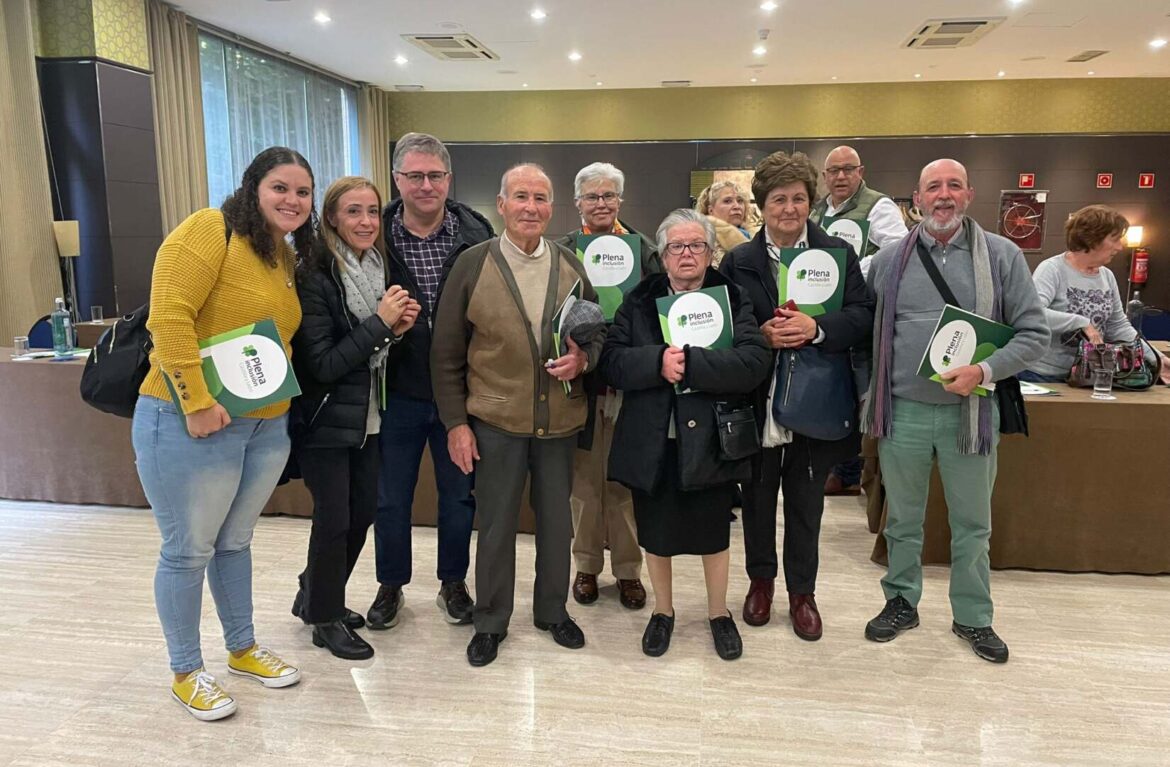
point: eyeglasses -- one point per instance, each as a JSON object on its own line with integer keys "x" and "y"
{"x": 847, "y": 170}
{"x": 696, "y": 248}
{"x": 609, "y": 198}
{"x": 414, "y": 178}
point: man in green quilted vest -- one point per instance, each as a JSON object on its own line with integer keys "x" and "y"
{"x": 850, "y": 197}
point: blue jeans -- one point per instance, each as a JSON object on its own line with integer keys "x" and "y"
{"x": 408, "y": 424}
{"x": 206, "y": 495}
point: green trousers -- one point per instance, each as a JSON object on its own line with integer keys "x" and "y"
{"x": 923, "y": 433}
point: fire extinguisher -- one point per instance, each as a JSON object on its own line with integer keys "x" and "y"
{"x": 1139, "y": 268}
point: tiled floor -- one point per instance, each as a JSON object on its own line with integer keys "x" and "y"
{"x": 83, "y": 671}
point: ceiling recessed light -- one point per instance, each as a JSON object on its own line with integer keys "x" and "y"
{"x": 1158, "y": 43}
{"x": 523, "y": 85}
{"x": 917, "y": 75}
{"x": 597, "y": 83}
{"x": 322, "y": 18}
{"x": 834, "y": 77}
{"x": 755, "y": 79}
{"x": 400, "y": 59}
{"x": 759, "y": 50}
{"x": 538, "y": 14}
{"x": 574, "y": 56}
{"x": 768, "y": 6}
{"x": 1016, "y": 2}
{"x": 1091, "y": 72}
{"x": 1000, "y": 73}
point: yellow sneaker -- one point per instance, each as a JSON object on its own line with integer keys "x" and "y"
{"x": 261, "y": 664}
{"x": 201, "y": 695}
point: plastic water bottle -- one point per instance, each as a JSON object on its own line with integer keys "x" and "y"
{"x": 62, "y": 330}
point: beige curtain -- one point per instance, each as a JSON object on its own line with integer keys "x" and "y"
{"x": 375, "y": 136}
{"x": 178, "y": 112}
{"x": 30, "y": 276}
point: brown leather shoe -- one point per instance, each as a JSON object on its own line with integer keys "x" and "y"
{"x": 806, "y": 620}
{"x": 757, "y": 606}
{"x": 632, "y": 594}
{"x": 585, "y": 588}
{"x": 834, "y": 486}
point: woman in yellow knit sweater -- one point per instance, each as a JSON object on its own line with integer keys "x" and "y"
{"x": 207, "y": 475}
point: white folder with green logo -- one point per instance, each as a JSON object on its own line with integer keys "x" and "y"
{"x": 613, "y": 263}
{"x": 246, "y": 368}
{"x": 697, "y": 318}
{"x": 962, "y": 338}
{"x": 856, "y": 233}
{"x": 812, "y": 277}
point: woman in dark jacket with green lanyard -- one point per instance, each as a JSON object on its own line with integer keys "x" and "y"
{"x": 784, "y": 186}
{"x": 350, "y": 320}
{"x": 666, "y": 446}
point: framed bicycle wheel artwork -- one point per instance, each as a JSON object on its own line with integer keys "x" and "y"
{"x": 1021, "y": 218}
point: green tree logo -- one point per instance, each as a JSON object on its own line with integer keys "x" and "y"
{"x": 250, "y": 351}
{"x": 802, "y": 274}
{"x": 946, "y": 360}
{"x": 597, "y": 258}
{"x": 682, "y": 320}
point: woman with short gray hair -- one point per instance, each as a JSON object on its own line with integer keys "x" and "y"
{"x": 666, "y": 446}
{"x": 603, "y": 515}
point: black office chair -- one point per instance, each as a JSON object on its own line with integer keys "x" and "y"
{"x": 40, "y": 335}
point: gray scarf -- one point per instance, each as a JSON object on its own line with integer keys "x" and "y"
{"x": 364, "y": 281}
{"x": 877, "y": 417}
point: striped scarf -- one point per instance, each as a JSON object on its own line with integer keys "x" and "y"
{"x": 975, "y": 415}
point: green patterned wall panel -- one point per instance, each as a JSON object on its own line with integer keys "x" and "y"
{"x": 66, "y": 28}
{"x": 120, "y": 31}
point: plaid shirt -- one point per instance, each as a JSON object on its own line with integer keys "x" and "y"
{"x": 424, "y": 256}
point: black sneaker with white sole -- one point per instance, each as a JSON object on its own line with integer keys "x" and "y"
{"x": 455, "y": 603}
{"x": 897, "y": 616}
{"x": 984, "y": 641}
{"x": 383, "y": 613}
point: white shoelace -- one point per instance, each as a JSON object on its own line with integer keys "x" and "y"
{"x": 266, "y": 657}
{"x": 206, "y": 688}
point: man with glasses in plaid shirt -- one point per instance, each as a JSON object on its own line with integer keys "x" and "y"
{"x": 425, "y": 233}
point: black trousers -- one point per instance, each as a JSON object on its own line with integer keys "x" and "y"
{"x": 506, "y": 461}
{"x": 344, "y": 485}
{"x": 791, "y": 468}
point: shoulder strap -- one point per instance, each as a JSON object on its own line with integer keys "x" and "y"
{"x": 936, "y": 277}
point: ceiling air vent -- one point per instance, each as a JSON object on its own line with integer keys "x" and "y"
{"x": 676, "y": 83}
{"x": 453, "y": 47}
{"x": 408, "y": 88}
{"x": 951, "y": 33}
{"x": 1086, "y": 56}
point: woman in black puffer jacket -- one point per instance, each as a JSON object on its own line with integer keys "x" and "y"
{"x": 350, "y": 320}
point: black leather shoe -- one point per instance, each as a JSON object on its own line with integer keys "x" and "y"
{"x": 727, "y": 642}
{"x": 656, "y": 638}
{"x": 352, "y": 619}
{"x": 341, "y": 640}
{"x": 984, "y": 641}
{"x": 566, "y": 633}
{"x": 897, "y": 616}
{"x": 483, "y": 648}
{"x": 383, "y": 613}
{"x": 455, "y": 603}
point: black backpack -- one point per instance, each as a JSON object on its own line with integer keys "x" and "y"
{"x": 119, "y": 361}
{"x": 117, "y": 365}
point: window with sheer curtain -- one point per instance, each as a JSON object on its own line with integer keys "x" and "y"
{"x": 252, "y": 101}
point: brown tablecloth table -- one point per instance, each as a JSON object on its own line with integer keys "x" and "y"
{"x": 88, "y": 333}
{"x": 57, "y": 448}
{"x": 1087, "y": 491}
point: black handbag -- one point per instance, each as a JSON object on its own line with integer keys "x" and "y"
{"x": 117, "y": 365}
{"x": 1013, "y": 416}
{"x": 738, "y": 436}
{"x": 813, "y": 393}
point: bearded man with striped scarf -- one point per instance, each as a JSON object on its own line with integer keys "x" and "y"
{"x": 918, "y": 421}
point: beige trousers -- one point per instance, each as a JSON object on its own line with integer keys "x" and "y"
{"x": 603, "y": 511}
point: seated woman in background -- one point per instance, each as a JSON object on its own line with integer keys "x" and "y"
{"x": 208, "y": 475}
{"x": 350, "y": 321}
{"x": 666, "y": 445}
{"x": 1080, "y": 295}
{"x": 726, "y": 206}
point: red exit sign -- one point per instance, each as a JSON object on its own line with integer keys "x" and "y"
{"x": 1027, "y": 180}
{"x": 1145, "y": 181}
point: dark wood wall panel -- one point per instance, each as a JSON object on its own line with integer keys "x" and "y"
{"x": 658, "y": 176}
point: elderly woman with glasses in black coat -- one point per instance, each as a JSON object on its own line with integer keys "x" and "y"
{"x": 666, "y": 445}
